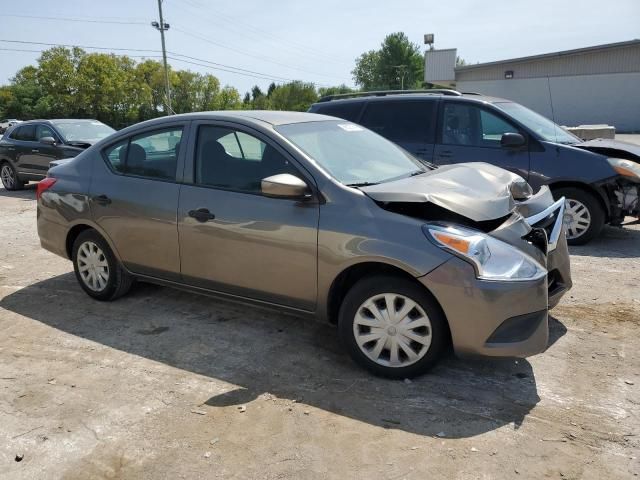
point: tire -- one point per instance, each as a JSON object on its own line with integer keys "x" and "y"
{"x": 92, "y": 256}
{"x": 9, "y": 176}
{"x": 352, "y": 332}
{"x": 584, "y": 207}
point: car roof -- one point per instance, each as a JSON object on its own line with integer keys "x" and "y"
{"x": 408, "y": 97}
{"x": 271, "y": 117}
{"x": 54, "y": 121}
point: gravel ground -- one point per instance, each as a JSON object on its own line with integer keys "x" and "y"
{"x": 167, "y": 384}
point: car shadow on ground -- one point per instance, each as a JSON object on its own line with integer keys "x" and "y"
{"x": 613, "y": 242}
{"x": 261, "y": 351}
{"x": 28, "y": 193}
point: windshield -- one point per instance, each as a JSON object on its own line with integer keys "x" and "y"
{"x": 544, "y": 127}
{"x": 351, "y": 153}
{"x": 83, "y": 131}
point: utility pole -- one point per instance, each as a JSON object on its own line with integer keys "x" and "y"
{"x": 162, "y": 27}
{"x": 401, "y": 71}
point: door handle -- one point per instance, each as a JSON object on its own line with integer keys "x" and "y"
{"x": 445, "y": 154}
{"x": 35, "y": 150}
{"x": 201, "y": 215}
{"x": 102, "y": 200}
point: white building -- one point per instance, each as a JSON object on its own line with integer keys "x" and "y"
{"x": 593, "y": 85}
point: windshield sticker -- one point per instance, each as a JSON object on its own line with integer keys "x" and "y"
{"x": 350, "y": 127}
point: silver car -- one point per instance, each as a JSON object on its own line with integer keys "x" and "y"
{"x": 321, "y": 217}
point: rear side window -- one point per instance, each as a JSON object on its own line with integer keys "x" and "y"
{"x": 402, "y": 121}
{"x": 151, "y": 155}
{"x": 349, "y": 111}
{"x": 26, "y": 133}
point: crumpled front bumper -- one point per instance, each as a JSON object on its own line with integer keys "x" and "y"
{"x": 508, "y": 318}
{"x": 490, "y": 318}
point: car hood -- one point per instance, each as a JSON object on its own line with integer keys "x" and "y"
{"x": 612, "y": 148}
{"x": 478, "y": 191}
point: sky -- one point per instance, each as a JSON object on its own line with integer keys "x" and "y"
{"x": 314, "y": 41}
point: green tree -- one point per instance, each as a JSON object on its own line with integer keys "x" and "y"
{"x": 21, "y": 99}
{"x": 57, "y": 77}
{"x": 228, "y": 99}
{"x": 397, "y": 64}
{"x": 297, "y": 96}
{"x": 325, "y": 91}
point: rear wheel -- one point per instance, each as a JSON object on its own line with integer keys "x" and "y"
{"x": 98, "y": 271}
{"x": 9, "y": 177}
{"x": 392, "y": 327}
{"x": 584, "y": 216}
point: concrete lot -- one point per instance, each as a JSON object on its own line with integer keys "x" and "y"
{"x": 166, "y": 384}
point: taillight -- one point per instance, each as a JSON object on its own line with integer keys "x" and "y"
{"x": 43, "y": 185}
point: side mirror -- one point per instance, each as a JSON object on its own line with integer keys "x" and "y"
{"x": 48, "y": 140}
{"x": 285, "y": 185}
{"x": 512, "y": 140}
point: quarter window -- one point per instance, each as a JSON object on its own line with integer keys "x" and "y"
{"x": 151, "y": 155}
{"x": 231, "y": 159}
{"x": 402, "y": 121}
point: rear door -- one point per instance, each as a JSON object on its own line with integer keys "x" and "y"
{"x": 232, "y": 238}
{"x": 134, "y": 198}
{"x": 469, "y": 132}
{"x": 409, "y": 123}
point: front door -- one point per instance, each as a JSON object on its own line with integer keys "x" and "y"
{"x": 134, "y": 199}
{"x": 232, "y": 238}
{"x": 471, "y": 133}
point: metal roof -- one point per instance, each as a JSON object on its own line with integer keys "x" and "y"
{"x": 546, "y": 56}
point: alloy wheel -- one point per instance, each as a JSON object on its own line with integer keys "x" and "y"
{"x": 93, "y": 266}
{"x": 392, "y": 330}
{"x": 7, "y": 177}
{"x": 577, "y": 218}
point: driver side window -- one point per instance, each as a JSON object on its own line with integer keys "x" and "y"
{"x": 231, "y": 159}
{"x": 472, "y": 126}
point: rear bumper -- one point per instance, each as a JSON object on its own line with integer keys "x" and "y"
{"x": 490, "y": 318}
{"x": 53, "y": 236}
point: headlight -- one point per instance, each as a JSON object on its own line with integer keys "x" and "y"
{"x": 626, "y": 168}
{"x": 521, "y": 190}
{"x": 493, "y": 259}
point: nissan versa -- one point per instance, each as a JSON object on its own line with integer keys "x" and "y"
{"x": 322, "y": 217}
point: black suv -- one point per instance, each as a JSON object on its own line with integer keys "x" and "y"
{"x": 27, "y": 148}
{"x": 600, "y": 179}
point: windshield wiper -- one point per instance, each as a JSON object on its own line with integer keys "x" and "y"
{"x": 362, "y": 184}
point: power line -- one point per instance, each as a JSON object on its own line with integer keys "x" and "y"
{"x": 77, "y": 19}
{"x": 42, "y": 51}
{"x": 218, "y": 66}
{"x": 260, "y": 34}
{"x": 258, "y": 57}
{"x": 185, "y": 32}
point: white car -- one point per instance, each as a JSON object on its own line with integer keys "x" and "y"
{"x": 8, "y": 122}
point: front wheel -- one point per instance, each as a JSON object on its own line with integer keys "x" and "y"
{"x": 97, "y": 270}
{"x": 584, "y": 216}
{"x": 392, "y": 327}
{"x": 9, "y": 177}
